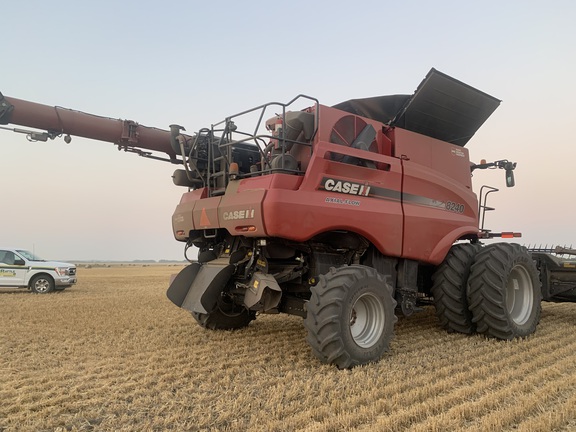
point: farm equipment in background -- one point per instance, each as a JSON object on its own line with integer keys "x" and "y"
{"x": 343, "y": 215}
{"x": 557, "y": 272}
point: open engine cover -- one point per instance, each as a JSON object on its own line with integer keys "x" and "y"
{"x": 441, "y": 107}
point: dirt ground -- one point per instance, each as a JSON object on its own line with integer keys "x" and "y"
{"x": 113, "y": 354}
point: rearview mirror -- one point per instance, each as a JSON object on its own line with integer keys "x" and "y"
{"x": 510, "y": 178}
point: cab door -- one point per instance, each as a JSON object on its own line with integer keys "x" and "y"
{"x": 11, "y": 274}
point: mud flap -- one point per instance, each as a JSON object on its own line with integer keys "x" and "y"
{"x": 197, "y": 287}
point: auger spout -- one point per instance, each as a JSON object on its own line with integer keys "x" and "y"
{"x": 126, "y": 134}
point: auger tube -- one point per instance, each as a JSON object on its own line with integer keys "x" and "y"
{"x": 57, "y": 120}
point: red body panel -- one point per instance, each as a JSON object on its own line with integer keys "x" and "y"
{"x": 438, "y": 201}
{"x": 414, "y": 200}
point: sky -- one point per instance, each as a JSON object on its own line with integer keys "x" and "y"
{"x": 193, "y": 63}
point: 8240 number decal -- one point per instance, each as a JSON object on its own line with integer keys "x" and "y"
{"x": 455, "y": 207}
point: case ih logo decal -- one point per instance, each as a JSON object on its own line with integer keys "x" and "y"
{"x": 364, "y": 190}
{"x": 358, "y": 189}
{"x": 346, "y": 187}
{"x": 238, "y": 214}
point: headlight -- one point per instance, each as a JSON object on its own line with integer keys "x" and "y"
{"x": 62, "y": 271}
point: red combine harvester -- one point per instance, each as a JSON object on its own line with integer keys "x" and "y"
{"x": 344, "y": 215}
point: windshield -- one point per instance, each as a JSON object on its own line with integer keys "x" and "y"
{"x": 29, "y": 255}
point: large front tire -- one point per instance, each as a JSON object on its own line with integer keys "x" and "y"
{"x": 450, "y": 282}
{"x": 226, "y": 316}
{"x": 504, "y": 292}
{"x": 350, "y": 317}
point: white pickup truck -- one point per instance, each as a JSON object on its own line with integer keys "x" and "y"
{"x": 22, "y": 269}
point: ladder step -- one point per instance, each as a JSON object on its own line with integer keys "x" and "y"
{"x": 220, "y": 191}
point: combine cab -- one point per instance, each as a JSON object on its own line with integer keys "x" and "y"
{"x": 344, "y": 215}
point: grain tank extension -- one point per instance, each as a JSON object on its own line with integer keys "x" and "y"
{"x": 345, "y": 215}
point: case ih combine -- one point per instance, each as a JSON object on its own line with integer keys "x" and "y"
{"x": 344, "y": 215}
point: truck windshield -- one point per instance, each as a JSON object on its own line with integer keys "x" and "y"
{"x": 29, "y": 255}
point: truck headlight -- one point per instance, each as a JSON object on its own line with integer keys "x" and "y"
{"x": 62, "y": 271}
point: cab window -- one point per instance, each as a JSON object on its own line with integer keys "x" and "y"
{"x": 7, "y": 257}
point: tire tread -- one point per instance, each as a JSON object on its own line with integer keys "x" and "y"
{"x": 325, "y": 308}
{"x": 486, "y": 291}
{"x": 449, "y": 289}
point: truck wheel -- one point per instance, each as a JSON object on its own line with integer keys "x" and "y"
{"x": 504, "y": 291}
{"x": 41, "y": 284}
{"x": 226, "y": 316}
{"x": 350, "y": 316}
{"x": 449, "y": 289}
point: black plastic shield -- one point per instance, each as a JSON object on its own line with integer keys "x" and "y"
{"x": 198, "y": 286}
{"x": 180, "y": 286}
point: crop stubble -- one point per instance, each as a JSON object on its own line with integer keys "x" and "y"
{"x": 112, "y": 353}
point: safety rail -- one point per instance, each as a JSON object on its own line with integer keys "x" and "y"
{"x": 226, "y": 137}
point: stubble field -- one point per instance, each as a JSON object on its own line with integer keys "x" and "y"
{"x": 112, "y": 353}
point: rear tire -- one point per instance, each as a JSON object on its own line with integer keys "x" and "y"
{"x": 226, "y": 316}
{"x": 42, "y": 284}
{"x": 449, "y": 289}
{"x": 350, "y": 317}
{"x": 504, "y": 292}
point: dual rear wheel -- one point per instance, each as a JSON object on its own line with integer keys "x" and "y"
{"x": 504, "y": 292}
{"x": 449, "y": 289}
{"x": 494, "y": 290}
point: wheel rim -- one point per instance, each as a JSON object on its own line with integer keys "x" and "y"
{"x": 367, "y": 320}
{"x": 519, "y": 295}
{"x": 42, "y": 285}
